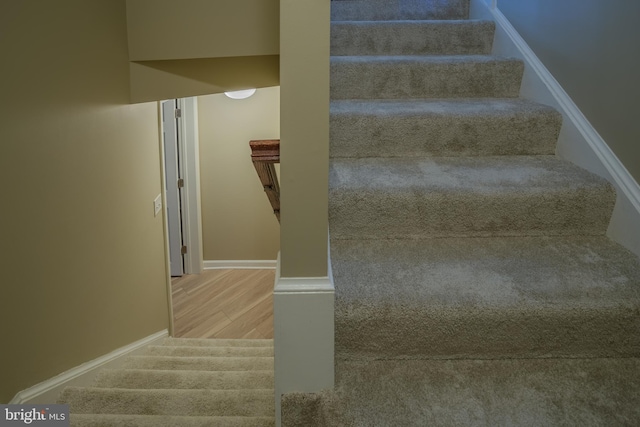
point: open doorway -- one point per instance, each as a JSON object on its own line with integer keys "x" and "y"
{"x": 181, "y": 185}
{"x": 229, "y": 293}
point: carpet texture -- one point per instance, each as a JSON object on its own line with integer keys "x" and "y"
{"x": 475, "y": 284}
{"x": 392, "y": 77}
{"x": 182, "y": 382}
{"x": 446, "y": 127}
{"x": 543, "y": 392}
{"x": 418, "y": 37}
{"x": 373, "y": 10}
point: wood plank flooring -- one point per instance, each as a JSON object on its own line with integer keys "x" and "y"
{"x": 224, "y": 304}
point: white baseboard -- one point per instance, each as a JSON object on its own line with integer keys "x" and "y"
{"x": 240, "y": 264}
{"x": 47, "y": 391}
{"x": 303, "y": 323}
{"x": 579, "y": 142}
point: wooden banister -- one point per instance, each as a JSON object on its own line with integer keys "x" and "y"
{"x": 265, "y": 153}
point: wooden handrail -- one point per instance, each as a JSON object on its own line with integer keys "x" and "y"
{"x": 265, "y": 153}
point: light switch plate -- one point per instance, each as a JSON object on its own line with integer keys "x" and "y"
{"x": 157, "y": 205}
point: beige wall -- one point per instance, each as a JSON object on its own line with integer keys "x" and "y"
{"x": 158, "y": 80}
{"x": 197, "y": 47}
{"x": 591, "y": 48}
{"x": 83, "y": 270}
{"x": 304, "y": 128}
{"x": 237, "y": 220}
{"x": 169, "y": 29}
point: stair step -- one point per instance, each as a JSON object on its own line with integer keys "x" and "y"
{"x": 456, "y": 76}
{"x": 166, "y": 379}
{"x": 199, "y": 363}
{"x": 239, "y": 403}
{"x": 110, "y": 420}
{"x": 411, "y": 37}
{"x": 595, "y": 392}
{"x": 523, "y": 297}
{"x": 368, "y": 10}
{"x": 465, "y": 196}
{"x": 196, "y": 351}
{"x": 442, "y": 127}
{"x": 198, "y": 342}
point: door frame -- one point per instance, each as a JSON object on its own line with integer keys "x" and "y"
{"x": 191, "y": 213}
{"x": 173, "y": 173}
{"x": 192, "y": 220}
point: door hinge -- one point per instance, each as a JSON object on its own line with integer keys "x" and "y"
{"x": 183, "y": 250}
{"x": 178, "y": 113}
{"x": 181, "y": 183}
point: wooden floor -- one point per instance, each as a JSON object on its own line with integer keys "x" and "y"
{"x": 224, "y": 304}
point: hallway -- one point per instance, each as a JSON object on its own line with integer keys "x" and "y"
{"x": 224, "y": 304}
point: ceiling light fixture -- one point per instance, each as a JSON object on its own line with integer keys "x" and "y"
{"x": 240, "y": 94}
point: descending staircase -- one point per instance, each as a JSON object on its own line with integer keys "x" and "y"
{"x": 474, "y": 281}
{"x": 183, "y": 382}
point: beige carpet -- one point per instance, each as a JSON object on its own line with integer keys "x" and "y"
{"x": 475, "y": 284}
{"x": 184, "y": 382}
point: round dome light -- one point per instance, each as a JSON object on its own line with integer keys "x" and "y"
{"x": 240, "y": 94}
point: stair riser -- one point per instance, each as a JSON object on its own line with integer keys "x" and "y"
{"x": 202, "y": 364}
{"x": 430, "y": 134}
{"x": 195, "y": 342}
{"x": 371, "y": 10}
{"x": 411, "y": 38}
{"x": 210, "y": 351}
{"x": 472, "y": 333}
{"x": 110, "y": 420}
{"x": 408, "y": 213}
{"x": 154, "y": 379}
{"x": 392, "y": 78}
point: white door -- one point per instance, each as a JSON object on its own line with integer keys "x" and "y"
{"x": 174, "y": 184}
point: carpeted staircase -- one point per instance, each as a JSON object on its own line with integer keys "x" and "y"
{"x": 474, "y": 281}
{"x": 183, "y": 382}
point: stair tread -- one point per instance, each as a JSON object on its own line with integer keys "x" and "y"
{"x": 438, "y": 106}
{"x": 120, "y": 420}
{"x": 199, "y": 351}
{"x": 481, "y": 393}
{"x": 89, "y": 400}
{"x": 199, "y": 363}
{"x": 424, "y": 76}
{"x": 409, "y": 21}
{"x": 207, "y": 342}
{"x": 396, "y": 60}
{"x": 442, "y": 127}
{"x": 486, "y": 298}
{"x": 184, "y": 379}
{"x": 486, "y": 272}
{"x": 445, "y": 37}
{"x": 465, "y": 196}
{"x": 460, "y": 174}
{"x": 398, "y": 9}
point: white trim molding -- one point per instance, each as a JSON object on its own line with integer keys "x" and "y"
{"x": 240, "y": 264}
{"x": 303, "y": 285}
{"x": 192, "y": 221}
{"x": 303, "y": 335}
{"x": 579, "y": 142}
{"x": 48, "y": 391}
{"x": 616, "y": 169}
